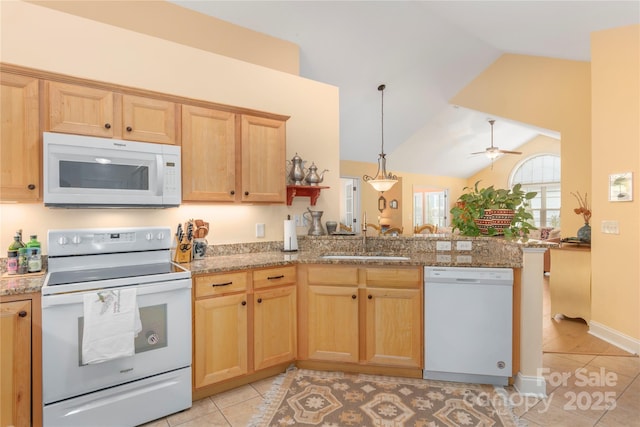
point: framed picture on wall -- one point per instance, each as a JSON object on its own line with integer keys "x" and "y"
{"x": 621, "y": 187}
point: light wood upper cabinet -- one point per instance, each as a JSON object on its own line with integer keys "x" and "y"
{"x": 263, "y": 160}
{"x": 15, "y": 363}
{"x": 20, "y": 147}
{"x": 208, "y": 155}
{"x": 96, "y": 112}
{"x": 148, "y": 120}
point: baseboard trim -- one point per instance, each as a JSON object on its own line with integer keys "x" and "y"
{"x": 614, "y": 337}
{"x": 530, "y": 386}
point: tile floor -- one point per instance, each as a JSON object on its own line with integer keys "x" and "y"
{"x": 583, "y": 390}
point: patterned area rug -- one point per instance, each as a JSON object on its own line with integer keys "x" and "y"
{"x": 332, "y": 399}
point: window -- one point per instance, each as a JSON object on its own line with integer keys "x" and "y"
{"x": 542, "y": 175}
{"x": 430, "y": 206}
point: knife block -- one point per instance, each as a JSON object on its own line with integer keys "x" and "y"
{"x": 183, "y": 252}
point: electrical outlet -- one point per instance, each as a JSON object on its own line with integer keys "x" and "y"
{"x": 298, "y": 220}
{"x": 443, "y": 258}
{"x": 443, "y": 246}
{"x": 464, "y": 259}
{"x": 463, "y": 245}
{"x": 259, "y": 230}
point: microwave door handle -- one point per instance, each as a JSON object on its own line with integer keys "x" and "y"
{"x": 160, "y": 174}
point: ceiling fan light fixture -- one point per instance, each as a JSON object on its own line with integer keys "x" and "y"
{"x": 382, "y": 181}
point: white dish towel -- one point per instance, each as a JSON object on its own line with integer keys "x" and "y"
{"x": 111, "y": 323}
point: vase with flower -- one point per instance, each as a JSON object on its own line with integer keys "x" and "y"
{"x": 584, "y": 232}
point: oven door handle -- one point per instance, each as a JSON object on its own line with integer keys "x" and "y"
{"x": 146, "y": 289}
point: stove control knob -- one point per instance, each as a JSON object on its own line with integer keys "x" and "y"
{"x": 160, "y": 236}
{"x": 62, "y": 240}
{"x": 148, "y": 236}
{"x": 76, "y": 239}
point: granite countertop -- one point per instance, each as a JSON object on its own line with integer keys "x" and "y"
{"x": 420, "y": 251}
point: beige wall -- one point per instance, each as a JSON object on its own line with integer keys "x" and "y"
{"x": 615, "y": 63}
{"x": 47, "y": 39}
{"x": 168, "y": 21}
{"x": 549, "y": 93}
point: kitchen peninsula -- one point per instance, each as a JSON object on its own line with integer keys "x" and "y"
{"x": 525, "y": 259}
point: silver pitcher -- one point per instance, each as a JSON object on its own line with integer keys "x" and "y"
{"x": 313, "y": 178}
{"x": 315, "y": 219}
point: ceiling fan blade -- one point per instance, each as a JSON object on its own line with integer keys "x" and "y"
{"x": 509, "y": 152}
{"x": 478, "y": 152}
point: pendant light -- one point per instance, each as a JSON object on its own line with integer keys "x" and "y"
{"x": 383, "y": 181}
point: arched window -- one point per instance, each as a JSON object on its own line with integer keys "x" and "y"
{"x": 541, "y": 174}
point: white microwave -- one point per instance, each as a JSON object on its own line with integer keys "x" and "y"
{"x": 85, "y": 171}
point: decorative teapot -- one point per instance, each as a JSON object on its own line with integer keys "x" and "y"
{"x": 312, "y": 177}
{"x": 297, "y": 172}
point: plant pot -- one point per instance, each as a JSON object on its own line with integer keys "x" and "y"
{"x": 483, "y": 223}
{"x": 501, "y": 219}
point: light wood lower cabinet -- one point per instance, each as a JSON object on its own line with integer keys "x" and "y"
{"x": 20, "y": 361}
{"x": 244, "y": 324}
{"x": 361, "y": 315}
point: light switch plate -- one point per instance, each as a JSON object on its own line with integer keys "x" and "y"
{"x": 610, "y": 227}
{"x": 443, "y": 258}
{"x": 443, "y": 246}
{"x": 259, "y": 230}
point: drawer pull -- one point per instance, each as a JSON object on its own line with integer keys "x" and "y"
{"x": 244, "y": 303}
{"x": 275, "y": 277}
{"x": 353, "y": 297}
{"x": 213, "y": 285}
{"x": 107, "y": 125}
{"x": 370, "y": 297}
{"x": 259, "y": 300}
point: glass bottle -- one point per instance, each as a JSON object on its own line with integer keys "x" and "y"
{"x": 16, "y": 244}
{"x": 23, "y": 261}
{"x": 35, "y": 261}
{"x": 33, "y": 242}
{"x": 12, "y": 262}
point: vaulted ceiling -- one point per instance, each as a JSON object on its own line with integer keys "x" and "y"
{"x": 425, "y": 52}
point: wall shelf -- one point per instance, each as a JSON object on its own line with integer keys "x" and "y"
{"x": 311, "y": 191}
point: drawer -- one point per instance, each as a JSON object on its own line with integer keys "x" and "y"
{"x": 410, "y": 277}
{"x": 265, "y": 278}
{"x": 217, "y": 284}
{"x": 332, "y": 275}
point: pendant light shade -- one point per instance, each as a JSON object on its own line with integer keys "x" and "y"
{"x": 382, "y": 181}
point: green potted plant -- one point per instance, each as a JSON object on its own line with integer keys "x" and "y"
{"x": 492, "y": 212}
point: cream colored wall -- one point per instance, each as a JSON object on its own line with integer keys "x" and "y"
{"x": 171, "y": 22}
{"x": 369, "y": 197}
{"x": 499, "y": 175}
{"x": 549, "y": 93}
{"x": 46, "y": 39}
{"x": 615, "y": 63}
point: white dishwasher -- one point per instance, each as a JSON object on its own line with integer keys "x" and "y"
{"x": 468, "y": 314}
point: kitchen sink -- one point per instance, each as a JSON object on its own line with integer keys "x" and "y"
{"x": 367, "y": 257}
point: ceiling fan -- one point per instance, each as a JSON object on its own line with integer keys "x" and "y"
{"x": 493, "y": 152}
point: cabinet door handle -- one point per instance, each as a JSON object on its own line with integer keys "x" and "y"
{"x": 275, "y": 277}
{"x": 259, "y": 300}
{"x": 232, "y": 192}
{"x": 129, "y": 128}
{"x": 22, "y": 313}
{"x": 246, "y": 193}
{"x": 31, "y": 186}
{"x": 244, "y": 303}
{"x": 370, "y": 297}
{"x": 107, "y": 125}
{"x": 213, "y": 285}
{"x": 353, "y": 297}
